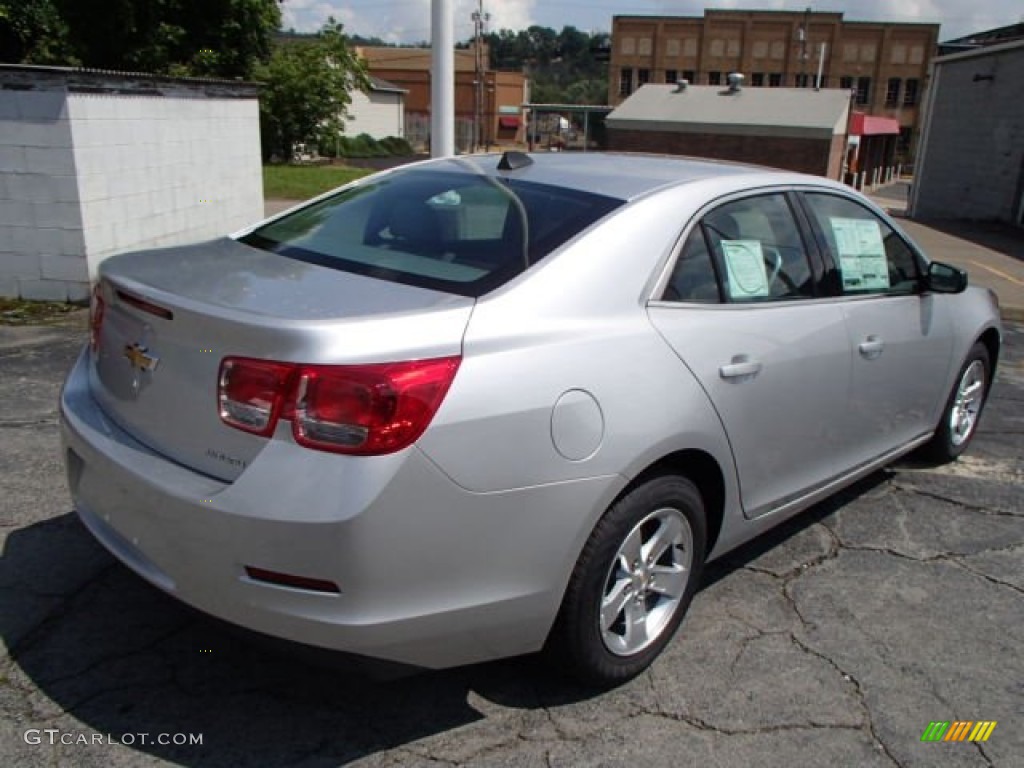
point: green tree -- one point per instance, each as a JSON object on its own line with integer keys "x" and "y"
{"x": 307, "y": 89}
{"x": 33, "y": 32}
{"x": 224, "y": 38}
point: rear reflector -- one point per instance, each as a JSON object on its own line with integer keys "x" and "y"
{"x": 291, "y": 580}
{"x": 355, "y": 409}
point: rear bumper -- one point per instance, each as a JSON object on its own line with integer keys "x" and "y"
{"x": 429, "y": 574}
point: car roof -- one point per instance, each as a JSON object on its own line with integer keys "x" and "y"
{"x": 620, "y": 175}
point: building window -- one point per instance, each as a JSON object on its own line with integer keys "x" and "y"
{"x": 717, "y": 48}
{"x": 823, "y": 83}
{"x": 690, "y": 46}
{"x": 689, "y": 76}
{"x": 626, "y": 81}
{"x": 644, "y": 47}
{"x": 733, "y": 48}
{"x": 757, "y": 79}
{"x": 892, "y": 92}
{"x": 804, "y": 81}
{"x": 899, "y": 53}
{"x": 775, "y": 80}
{"x": 671, "y": 76}
{"x": 867, "y": 53}
{"x": 672, "y": 48}
{"x": 850, "y": 52}
{"x": 846, "y": 83}
{"x": 863, "y": 90}
{"x": 628, "y": 46}
{"x": 760, "y": 49}
{"x": 714, "y": 78}
{"x": 910, "y": 93}
{"x": 643, "y": 77}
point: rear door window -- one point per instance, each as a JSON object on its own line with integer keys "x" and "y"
{"x": 759, "y": 250}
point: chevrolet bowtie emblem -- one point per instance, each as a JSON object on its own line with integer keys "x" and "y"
{"x": 139, "y": 358}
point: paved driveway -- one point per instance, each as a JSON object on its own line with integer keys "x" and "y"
{"x": 833, "y": 642}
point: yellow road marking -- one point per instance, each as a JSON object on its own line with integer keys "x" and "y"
{"x": 995, "y": 271}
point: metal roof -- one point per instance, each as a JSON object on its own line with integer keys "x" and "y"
{"x": 788, "y": 112}
{"x": 381, "y": 85}
{"x": 619, "y": 175}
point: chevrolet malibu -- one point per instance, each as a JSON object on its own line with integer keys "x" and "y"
{"x": 479, "y": 407}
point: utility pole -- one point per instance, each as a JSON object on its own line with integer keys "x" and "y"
{"x": 805, "y": 31}
{"x": 480, "y": 19}
{"x": 442, "y": 79}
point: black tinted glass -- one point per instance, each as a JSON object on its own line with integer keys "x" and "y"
{"x": 449, "y": 231}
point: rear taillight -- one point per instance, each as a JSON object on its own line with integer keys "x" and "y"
{"x": 97, "y": 308}
{"x": 250, "y": 393}
{"x": 356, "y": 409}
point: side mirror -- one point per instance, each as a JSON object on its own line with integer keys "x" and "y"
{"x": 943, "y": 278}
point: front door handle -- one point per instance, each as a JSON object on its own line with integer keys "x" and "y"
{"x": 740, "y": 366}
{"x": 871, "y": 347}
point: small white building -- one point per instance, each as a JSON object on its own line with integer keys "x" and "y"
{"x": 379, "y": 112}
{"x": 94, "y": 163}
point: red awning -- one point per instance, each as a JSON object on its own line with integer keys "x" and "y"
{"x": 508, "y": 122}
{"x": 869, "y": 125}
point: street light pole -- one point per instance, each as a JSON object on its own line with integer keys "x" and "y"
{"x": 479, "y": 20}
{"x": 442, "y": 79}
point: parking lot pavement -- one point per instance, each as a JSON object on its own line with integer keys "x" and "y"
{"x": 834, "y": 641}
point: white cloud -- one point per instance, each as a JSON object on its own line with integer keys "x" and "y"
{"x": 402, "y": 21}
{"x": 408, "y": 21}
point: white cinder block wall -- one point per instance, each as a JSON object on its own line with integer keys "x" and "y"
{"x": 42, "y": 254}
{"x": 93, "y": 164}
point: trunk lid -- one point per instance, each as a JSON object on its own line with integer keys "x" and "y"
{"x": 171, "y": 316}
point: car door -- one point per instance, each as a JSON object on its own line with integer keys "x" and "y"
{"x": 741, "y": 308}
{"x": 901, "y": 339}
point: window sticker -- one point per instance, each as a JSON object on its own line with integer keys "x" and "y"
{"x": 744, "y": 263}
{"x": 862, "y": 259}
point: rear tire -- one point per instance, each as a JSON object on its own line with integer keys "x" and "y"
{"x": 963, "y": 408}
{"x": 633, "y": 583}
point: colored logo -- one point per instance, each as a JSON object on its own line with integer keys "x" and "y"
{"x": 958, "y": 730}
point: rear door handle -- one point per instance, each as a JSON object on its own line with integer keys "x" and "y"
{"x": 740, "y": 366}
{"x": 871, "y": 347}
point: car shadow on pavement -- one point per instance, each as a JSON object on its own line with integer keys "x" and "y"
{"x": 93, "y": 649}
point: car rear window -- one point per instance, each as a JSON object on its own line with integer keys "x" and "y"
{"x": 457, "y": 232}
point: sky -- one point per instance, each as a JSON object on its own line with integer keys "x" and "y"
{"x": 408, "y": 21}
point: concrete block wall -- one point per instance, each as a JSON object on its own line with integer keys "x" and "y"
{"x": 41, "y": 241}
{"x": 97, "y": 163}
{"x": 971, "y": 162}
{"x": 155, "y": 171}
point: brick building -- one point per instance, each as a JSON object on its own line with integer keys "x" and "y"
{"x": 500, "y": 95}
{"x": 885, "y": 64}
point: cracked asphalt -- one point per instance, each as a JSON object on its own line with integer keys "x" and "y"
{"x": 834, "y": 640}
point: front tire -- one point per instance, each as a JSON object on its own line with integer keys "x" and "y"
{"x": 633, "y": 582}
{"x": 963, "y": 408}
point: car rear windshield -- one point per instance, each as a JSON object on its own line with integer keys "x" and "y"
{"x": 463, "y": 233}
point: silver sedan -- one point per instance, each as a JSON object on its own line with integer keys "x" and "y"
{"x": 474, "y": 408}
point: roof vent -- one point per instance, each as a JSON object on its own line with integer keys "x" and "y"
{"x": 735, "y": 80}
{"x": 681, "y": 86}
